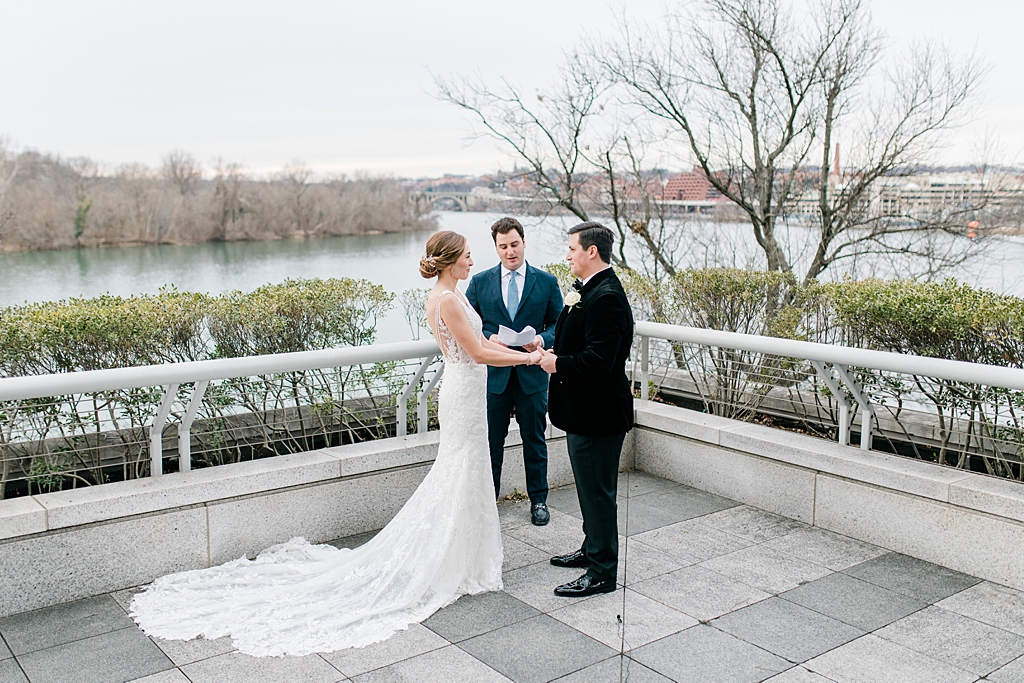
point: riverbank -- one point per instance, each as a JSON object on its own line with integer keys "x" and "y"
{"x": 296, "y": 236}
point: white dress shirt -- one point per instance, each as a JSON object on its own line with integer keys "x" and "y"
{"x": 590, "y": 277}
{"x": 520, "y": 281}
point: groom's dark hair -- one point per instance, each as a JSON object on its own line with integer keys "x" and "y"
{"x": 505, "y": 226}
{"x": 593, "y": 234}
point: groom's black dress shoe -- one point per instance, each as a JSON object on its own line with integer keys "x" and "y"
{"x": 577, "y": 559}
{"x": 539, "y": 514}
{"x": 584, "y": 586}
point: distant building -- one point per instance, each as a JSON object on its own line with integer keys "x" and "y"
{"x": 691, "y": 186}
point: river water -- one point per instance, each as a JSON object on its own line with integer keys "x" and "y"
{"x": 390, "y": 260}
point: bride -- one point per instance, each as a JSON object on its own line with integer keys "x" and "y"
{"x": 296, "y": 598}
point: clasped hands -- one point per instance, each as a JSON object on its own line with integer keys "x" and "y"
{"x": 545, "y": 359}
{"x": 538, "y": 355}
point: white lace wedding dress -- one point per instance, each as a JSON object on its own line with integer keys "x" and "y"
{"x": 296, "y": 598}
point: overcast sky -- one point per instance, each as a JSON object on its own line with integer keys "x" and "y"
{"x": 346, "y": 85}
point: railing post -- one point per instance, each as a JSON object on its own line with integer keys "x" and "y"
{"x": 156, "y": 430}
{"x": 401, "y": 416}
{"x": 645, "y": 365}
{"x": 185, "y": 427}
{"x": 845, "y": 413}
{"x": 424, "y": 402}
{"x": 866, "y": 409}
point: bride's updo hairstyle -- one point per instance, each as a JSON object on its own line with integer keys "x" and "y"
{"x": 443, "y": 249}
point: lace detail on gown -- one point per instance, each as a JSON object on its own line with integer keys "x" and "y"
{"x": 296, "y": 598}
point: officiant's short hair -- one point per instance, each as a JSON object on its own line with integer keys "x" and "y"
{"x": 593, "y": 234}
{"x": 505, "y": 226}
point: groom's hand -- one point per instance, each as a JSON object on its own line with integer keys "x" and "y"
{"x": 494, "y": 338}
{"x": 547, "y": 362}
{"x": 535, "y": 345}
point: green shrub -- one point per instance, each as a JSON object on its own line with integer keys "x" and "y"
{"x": 942, "y": 320}
{"x": 297, "y": 315}
{"x": 103, "y": 332}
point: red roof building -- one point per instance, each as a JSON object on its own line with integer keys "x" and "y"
{"x": 691, "y": 187}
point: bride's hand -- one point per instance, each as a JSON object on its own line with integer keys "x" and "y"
{"x": 535, "y": 357}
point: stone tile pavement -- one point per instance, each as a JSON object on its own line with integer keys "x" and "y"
{"x": 711, "y": 590}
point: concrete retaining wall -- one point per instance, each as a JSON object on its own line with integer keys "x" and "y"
{"x": 966, "y": 521}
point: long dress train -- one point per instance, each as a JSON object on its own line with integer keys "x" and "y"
{"x": 296, "y": 598}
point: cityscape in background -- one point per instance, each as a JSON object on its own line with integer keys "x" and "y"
{"x": 997, "y": 192}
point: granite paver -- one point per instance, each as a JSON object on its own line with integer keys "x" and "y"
{"x": 770, "y": 570}
{"x": 852, "y": 601}
{"x": 1011, "y": 673}
{"x": 169, "y": 676}
{"x": 537, "y": 650}
{"x": 472, "y": 615}
{"x": 10, "y": 672}
{"x": 71, "y": 621}
{"x": 704, "y": 653}
{"x": 826, "y": 548}
{"x": 613, "y": 670}
{"x": 235, "y": 667}
{"x": 787, "y": 629}
{"x": 449, "y": 664}
{"x": 700, "y": 592}
{"x": 871, "y": 659}
{"x": 918, "y": 579}
{"x": 414, "y": 641}
{"x": 752, "y": 524}
{"x": 183, "y": 652}
{"x": 955, "y": 639}
{"x": 112, "y": 657}
{"x": 990, "y": 604}
{"x": 623, "y": 620}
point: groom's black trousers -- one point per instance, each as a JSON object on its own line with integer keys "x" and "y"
{"x": 595, "y": 465}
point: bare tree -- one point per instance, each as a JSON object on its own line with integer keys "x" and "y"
{"x": 8, "y": 172}
{"x": 753, "y": 89}
{"x": 296, "y": 176}
{"x": 182, "y": 170}
{"x": 227, "y": 182}
{"x": 85, "y": 172}
{"x": 576, "y": 156}
{"x": 547, "y": 135}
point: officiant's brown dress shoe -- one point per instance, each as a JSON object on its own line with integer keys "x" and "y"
{"x": 584, "y": 586}
{"x": 577, "y": 559}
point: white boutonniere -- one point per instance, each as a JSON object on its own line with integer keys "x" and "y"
{"x": 572, "y": 298}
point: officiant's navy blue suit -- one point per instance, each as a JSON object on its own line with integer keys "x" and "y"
{"x": 523, "y": 387}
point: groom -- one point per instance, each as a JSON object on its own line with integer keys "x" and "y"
{"x": 591, "y": 399}
{"x": 515, "y": 294}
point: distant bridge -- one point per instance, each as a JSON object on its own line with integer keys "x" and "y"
{"x": 479, "y": 201}
{"x": 464, "y": 200}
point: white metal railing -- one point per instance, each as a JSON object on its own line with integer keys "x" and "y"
{"x": 171, "y": 376}
{"x": 832, "y": 364}
{"x": 835, "y": 366}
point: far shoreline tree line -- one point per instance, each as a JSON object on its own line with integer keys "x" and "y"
{"x": 50, "y": 202}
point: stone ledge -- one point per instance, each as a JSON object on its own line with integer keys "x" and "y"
{"x": 20, "y": 516}
{"x": 118, "y": 500}
{"x": 971, "y": 490}
{"x": 1000, "y": 497}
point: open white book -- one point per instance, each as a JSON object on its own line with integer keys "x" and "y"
{"x": 509, "y": 337}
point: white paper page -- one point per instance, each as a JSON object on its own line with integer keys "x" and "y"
{"x": 509, "y": 337}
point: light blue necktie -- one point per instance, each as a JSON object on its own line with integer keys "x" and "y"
{"x": 513, "y": 296}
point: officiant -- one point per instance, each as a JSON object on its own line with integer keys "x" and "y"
{"x": 516, "y": 295}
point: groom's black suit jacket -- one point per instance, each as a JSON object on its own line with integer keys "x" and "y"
{"x": 589, "y": 393}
